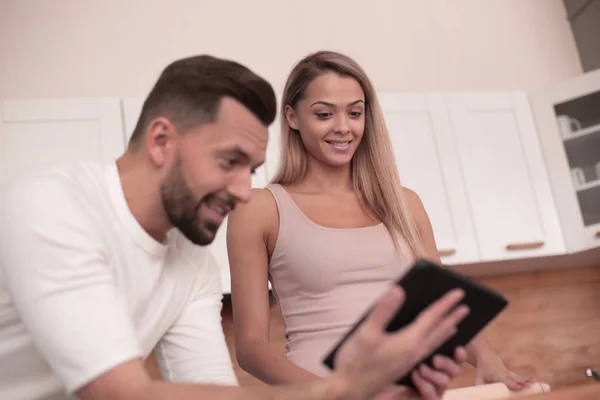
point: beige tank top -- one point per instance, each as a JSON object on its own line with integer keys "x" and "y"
{"x": 324, "y": 278}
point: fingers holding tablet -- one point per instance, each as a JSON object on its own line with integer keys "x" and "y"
{"x": 385, "y": 310}
{"x": 430, "y": 311}
{"x": 438, "y": 322}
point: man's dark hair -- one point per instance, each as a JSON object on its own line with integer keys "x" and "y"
{"x": 189, "y": 92}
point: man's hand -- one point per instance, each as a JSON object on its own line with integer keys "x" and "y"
{"x": 373, "y": 359}
{"x": 431, "y": 383}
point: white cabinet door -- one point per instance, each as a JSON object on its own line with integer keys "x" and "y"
{"x": 39, "y": 133}
{"x": 568, "y": 118}
{"x": 273, "y": 150}
{"x": 507, "y": 186}
{"x": 419, "y": 128}
{"x": 132, "y": 108}
{"x": 131, "y": 111}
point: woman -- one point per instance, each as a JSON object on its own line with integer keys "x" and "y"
{"x": 331, "y": 231}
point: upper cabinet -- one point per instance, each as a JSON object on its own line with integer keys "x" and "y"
{"x": 38, "y": 133}
{"x": 421, "y": 136}
{"x": 568, "y": 118}
{"x": 506, "y": 182}
{"x": 477, "y": 164}
{"x": 502, "y": 175}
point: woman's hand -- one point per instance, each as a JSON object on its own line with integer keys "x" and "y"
{"x": 491, "y": 369}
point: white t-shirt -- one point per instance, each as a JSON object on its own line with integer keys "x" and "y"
{"x": 83, "y": 288}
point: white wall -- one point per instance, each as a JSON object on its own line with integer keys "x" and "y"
{"x": 51, "y": 48}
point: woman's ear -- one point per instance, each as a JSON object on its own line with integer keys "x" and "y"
{"x": 290, "y": 116}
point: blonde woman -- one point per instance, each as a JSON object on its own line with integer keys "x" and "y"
{"x": 331, "y": 231}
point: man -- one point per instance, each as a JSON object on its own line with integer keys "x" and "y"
{"x": 101, "y": 264}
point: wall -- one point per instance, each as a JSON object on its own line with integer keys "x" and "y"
{"x": 117, "y": 47}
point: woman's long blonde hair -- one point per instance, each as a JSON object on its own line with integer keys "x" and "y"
{"x": 374, "y": 173}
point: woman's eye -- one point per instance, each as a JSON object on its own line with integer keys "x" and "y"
{"x": 323, "y": 115}
{"x": 356, "y": 114}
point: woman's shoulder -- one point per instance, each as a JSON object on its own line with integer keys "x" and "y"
{"x": 416, "y": 208}
{"x": 414, "y": 204}
{"x": 260, "y": 208}
{"x": 261, "y": 198}
{"x": 411, "y": 196}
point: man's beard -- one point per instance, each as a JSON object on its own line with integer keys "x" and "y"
{"x": 182, "y": 208}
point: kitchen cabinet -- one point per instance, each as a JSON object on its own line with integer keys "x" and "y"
{"x": 39, "y": 133}
{"x": 273, "y": 148}
{"x": 421, "y": 135}
{"x": 477, "y": 164}
{"x": 568, "y": 124}
{"x": 502, "y": 175}
{"x": 506, "y": 183}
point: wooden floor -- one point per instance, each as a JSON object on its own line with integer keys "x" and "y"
{"x": 551, "y": 330}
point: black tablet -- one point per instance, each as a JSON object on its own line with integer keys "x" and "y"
{"x": 425, "y": 283}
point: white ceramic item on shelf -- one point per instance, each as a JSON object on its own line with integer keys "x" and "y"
{"x": 567, "y": 125}
{"x": 578, "y": 177}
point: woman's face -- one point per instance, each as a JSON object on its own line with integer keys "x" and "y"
{"x": 330, "y": 118}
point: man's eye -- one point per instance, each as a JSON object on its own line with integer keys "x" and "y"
{"x": 229, "y": 163}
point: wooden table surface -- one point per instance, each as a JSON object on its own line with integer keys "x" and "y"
{"x": 580, "y": 392}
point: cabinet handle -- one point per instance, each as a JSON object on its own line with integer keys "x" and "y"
{"x": 524, "y": 246}
{"x": 446, "y": 252}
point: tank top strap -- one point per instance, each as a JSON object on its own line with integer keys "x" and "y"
{"x": 282, "y": 197}
{"x": 285, "y": 203}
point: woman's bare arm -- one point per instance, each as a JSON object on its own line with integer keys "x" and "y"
{"x": 248, "y": 230}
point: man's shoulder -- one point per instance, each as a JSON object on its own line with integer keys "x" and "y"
{"x": 61, "y": 176}
{"x": 53, "y": 189}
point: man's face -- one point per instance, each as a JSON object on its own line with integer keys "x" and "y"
{"x": 211, "y": 171}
